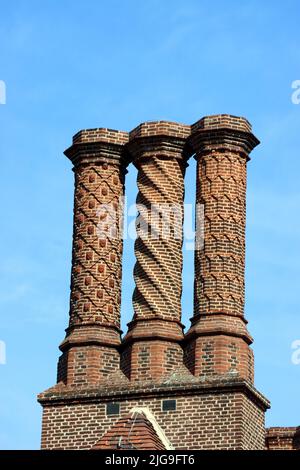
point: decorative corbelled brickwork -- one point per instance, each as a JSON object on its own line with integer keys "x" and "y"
{"x": 159, "y": 151}
{"x": 101, "y": 134}
{"x": 90, "y": 347}
{"x": 208, "y": 372}
{"x": 223, "y": 121}
{"x": 217, "y": 342}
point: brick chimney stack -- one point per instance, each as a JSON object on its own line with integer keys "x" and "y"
{"x": 218, "y": 340}
{"x": 188, "y": 391}
{"x": 90, "y": 349}
{"x": 151, "y": 347}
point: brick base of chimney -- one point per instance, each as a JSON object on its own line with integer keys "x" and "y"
{"x": 215, "y": 414}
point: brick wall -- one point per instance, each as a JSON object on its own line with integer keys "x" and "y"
{"x": 283, "y": 438}
{"x": 207, "y": 417}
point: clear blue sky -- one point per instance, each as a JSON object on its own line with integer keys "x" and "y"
{"x": 69, "y": 65}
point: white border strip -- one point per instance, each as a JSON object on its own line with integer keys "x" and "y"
{"x": 145, "y": 411}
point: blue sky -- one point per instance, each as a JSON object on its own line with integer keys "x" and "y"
{"x": 69, "y": 65}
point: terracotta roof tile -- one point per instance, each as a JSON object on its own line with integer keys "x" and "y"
{"x": 130, "y": 432}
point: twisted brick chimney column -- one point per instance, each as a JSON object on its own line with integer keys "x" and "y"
{"x": 151, "y": 347}
{"x": 90, "y": 349}
{"x": 218, "y": 341}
